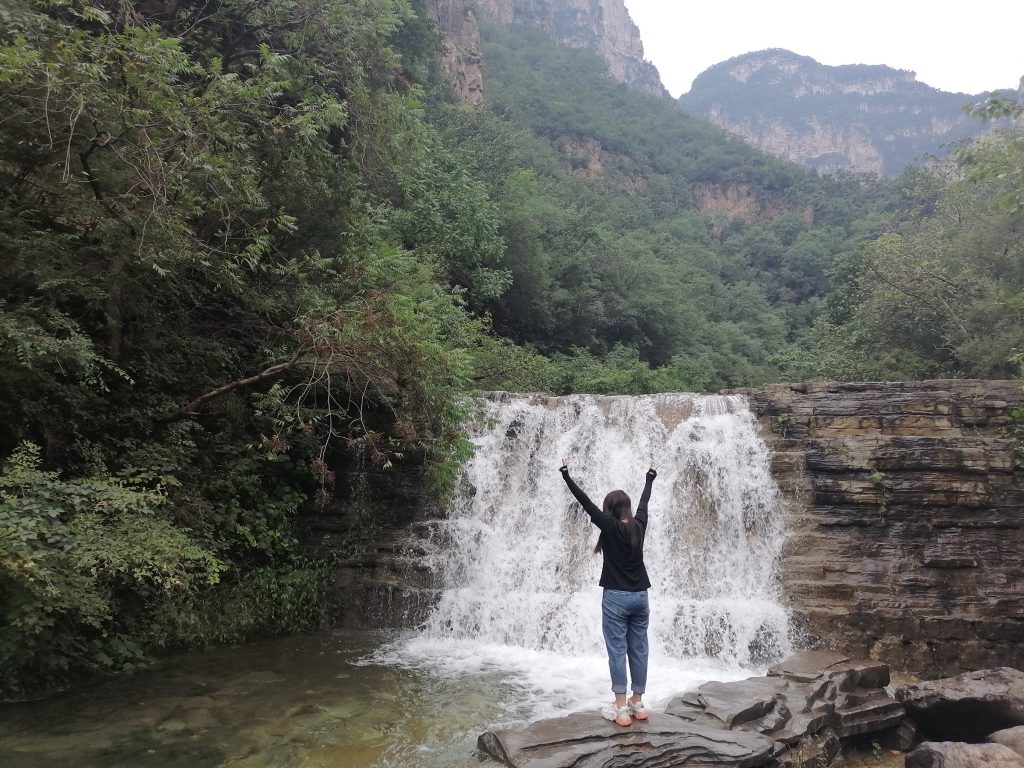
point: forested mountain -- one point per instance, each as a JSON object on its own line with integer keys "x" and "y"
{"x": 857, "y": 117}
{"x": 242, "y": 245}
{"x": 664, "y": 235}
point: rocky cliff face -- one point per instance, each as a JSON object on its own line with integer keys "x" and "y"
{"x": 906, "y": 510}
{"x": 722, "y": 202}
{"x": 603, "y": 26}
{"x": 463, "y": 60}
{"x": 862, "y": 118}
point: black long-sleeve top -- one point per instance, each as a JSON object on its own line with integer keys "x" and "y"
{"x": 622, "y": 569}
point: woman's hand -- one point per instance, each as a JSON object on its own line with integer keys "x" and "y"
{"x": 653, "y": 471}
{"x": 565, "y": 465}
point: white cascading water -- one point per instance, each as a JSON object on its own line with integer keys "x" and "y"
{"x": 515, "y": 555}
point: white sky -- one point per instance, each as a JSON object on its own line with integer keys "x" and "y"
{"x": 966, "y": 47}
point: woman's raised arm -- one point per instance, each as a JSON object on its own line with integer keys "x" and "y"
{"x": 641, "y": 508}
{"x": 591, "y": 508}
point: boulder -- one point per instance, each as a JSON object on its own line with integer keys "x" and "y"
{"x": 584, "y": 740}
{"x": 1010, "y": 737}
{"x": 952, "y": 754}
{"x": 966, "y": 707}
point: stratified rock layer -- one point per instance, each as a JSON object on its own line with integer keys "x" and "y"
{"x": 797, "y": 715}
{"x": 585, "y": 740}
{"x": 906, "y": 518}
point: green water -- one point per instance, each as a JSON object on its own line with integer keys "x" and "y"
{"x": 303, "y": 702}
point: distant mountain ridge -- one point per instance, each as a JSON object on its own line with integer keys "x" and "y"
{"x": 865, "y": 118}
{"x": 856, "y": 117}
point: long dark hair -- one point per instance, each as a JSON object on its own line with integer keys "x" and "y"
{"x": 618, "y": 505}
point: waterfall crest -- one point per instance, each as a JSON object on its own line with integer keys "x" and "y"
{"x": 515, "y": 555}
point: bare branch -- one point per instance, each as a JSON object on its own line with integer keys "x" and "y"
{"x": 268, "y": 373}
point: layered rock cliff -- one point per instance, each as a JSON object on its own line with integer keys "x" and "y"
{"x": 463, "y": 60}
{"x": 602, "y": 26}
{"x": 906, "y": 506}
{"x": 857, "y": 117}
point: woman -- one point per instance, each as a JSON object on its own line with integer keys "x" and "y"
{"x": 624, "y": 608}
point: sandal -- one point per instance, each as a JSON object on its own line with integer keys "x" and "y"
{"x": 638, "y": 710}
{"x": 616, "y": 715}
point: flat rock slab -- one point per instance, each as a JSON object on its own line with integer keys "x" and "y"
{"x": 586, "y": 740}
{"x": 808, "y": 666}
{"x": 849, "y": 674}
{"x": 953, "y": 754}
{"x": 741, "y": 701}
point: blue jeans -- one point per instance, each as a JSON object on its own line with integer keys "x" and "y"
{"x": 624, "y": 622}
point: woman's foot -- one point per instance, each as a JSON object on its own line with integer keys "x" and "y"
{"x": 637, "y": 709}
{"x": 618, "y": 715}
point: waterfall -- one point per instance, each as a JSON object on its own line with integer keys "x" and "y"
{"x": 515, "y": 557}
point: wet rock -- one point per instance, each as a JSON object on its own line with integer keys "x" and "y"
{"x": 801, "y": 696}
{"x": 794, "y": 716}
{"x": 584, "y": 740}
{"x": 845, "y": 673}
{"x": 966, "y": 707}
{"x": 1010, "y": 737}
{"x": 807, "y": 704}
{"x": 952, "y": 754}
{"x": 741, "y": 702}
{"x": 808, "y": 666}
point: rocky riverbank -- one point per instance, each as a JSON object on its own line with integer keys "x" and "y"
{"x": 806, "y": 711}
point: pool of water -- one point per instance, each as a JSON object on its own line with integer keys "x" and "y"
{"x": 336, "y": 699}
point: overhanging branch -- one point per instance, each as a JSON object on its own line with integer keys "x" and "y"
{"x": 268, "y": 373}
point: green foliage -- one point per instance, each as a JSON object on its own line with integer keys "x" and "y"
{"x": 231, "y": 247}
{"x": 940, "y": 294}
{"x": 81, "y": 562}
{"x": 1000, "y": 158}
{"x": 624, "y": 258}
{"x": 884, "y": 490}
{"x": 288, "y": 598}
